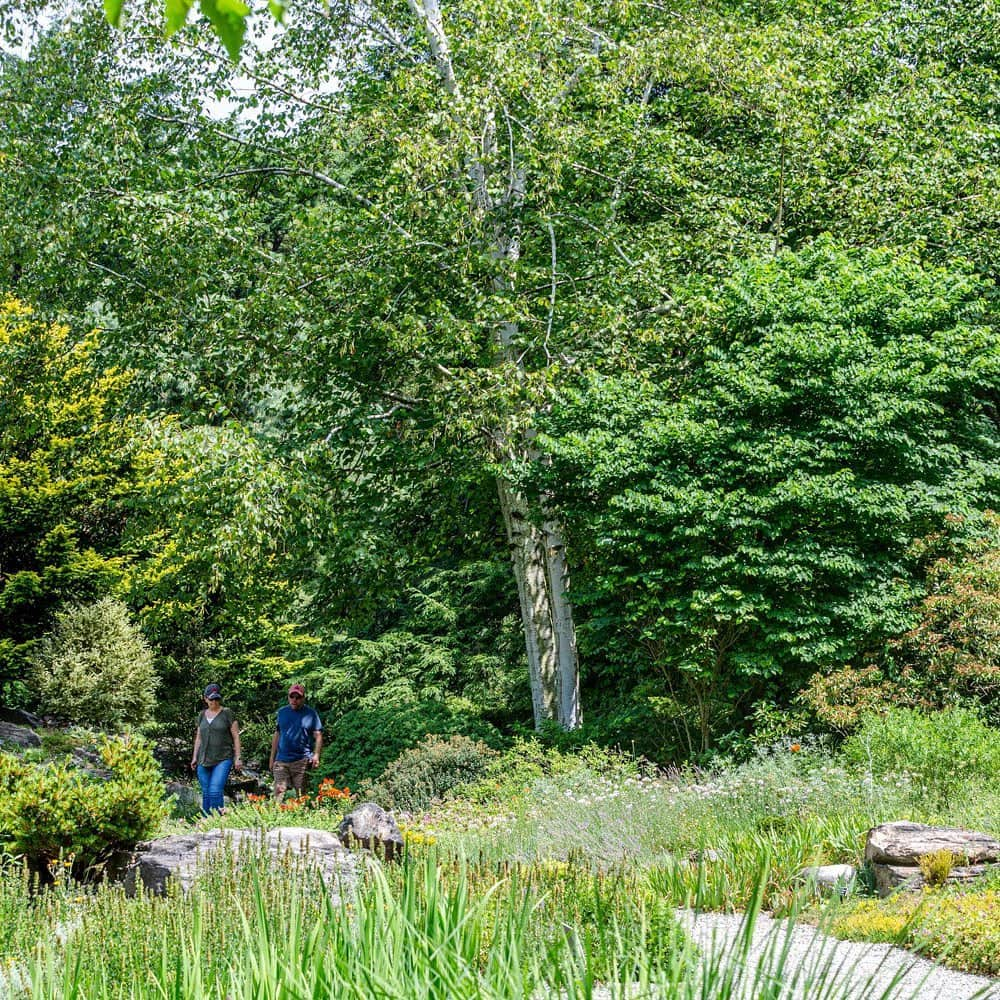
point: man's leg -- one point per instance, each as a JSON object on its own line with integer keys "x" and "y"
{"x": 297, "y": 775}
{"x": 281, "y": 779}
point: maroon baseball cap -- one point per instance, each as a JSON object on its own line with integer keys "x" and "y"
{"x": 297, "y": 689}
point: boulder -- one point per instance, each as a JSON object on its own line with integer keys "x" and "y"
{"x": 370, "y": 826}
{"x": 245, "y": 782}
{"x": 20, "y": 736}
{"x": 20, "y": 717}
{"x": 904, "y": 843}
{"x": 830, "y": 878}
{"x": 895, "y": 849}
{"x": 179, "y": 857}
{"x": 184, "y": 798}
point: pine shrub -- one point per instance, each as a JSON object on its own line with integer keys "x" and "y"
{"x": 428, "y": 770}
{"x": 95, "y": 667}
{"x": 59, "y": 809}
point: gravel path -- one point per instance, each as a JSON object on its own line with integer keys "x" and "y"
{"x": 861, "y": 970}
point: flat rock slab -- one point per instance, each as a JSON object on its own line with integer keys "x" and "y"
{"x": 892, "y": 878}
{"x": 904, "y": 843}
{"x": 180, "y": 857}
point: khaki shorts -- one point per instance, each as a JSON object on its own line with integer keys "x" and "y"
{"x": 290, "y": 774}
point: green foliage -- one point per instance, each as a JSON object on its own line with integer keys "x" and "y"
{"x": 952, "y": 655}
{"x": 961, "y": 929}
{"x": 427, "y": 771}
{"x": 451, "y": 636}
{"x": 874, "y": 920}
{"x": 753, "y": 522}
{"x": 95, "y": 668}
{"x": 66, "y": 464}
{"x": 363, "y": 742}
{"x": 947, "y": 754}
{"x": 57, "y": 809}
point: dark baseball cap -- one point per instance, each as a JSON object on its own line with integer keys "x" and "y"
{"x": 213, "y": 691}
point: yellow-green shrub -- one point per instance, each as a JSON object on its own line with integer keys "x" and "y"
{"x": 58, "y": 809}
{"x": 964, "y": 930}
{"x": 875, "y": 920}
{"x": 936, "y": 866}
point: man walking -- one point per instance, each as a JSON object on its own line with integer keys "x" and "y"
{"x": 297, "y": 742}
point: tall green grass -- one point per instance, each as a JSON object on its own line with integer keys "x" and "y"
{"x": 431, "y": 929}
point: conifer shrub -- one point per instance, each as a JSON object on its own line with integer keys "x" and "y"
{"x": 364, "y": 742}
{"x": 434, "y": 766}
{"x": 95, "y": 667}
{"x": 58, "y": 809}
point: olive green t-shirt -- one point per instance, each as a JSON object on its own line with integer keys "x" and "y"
{"x": 216, "y": 738}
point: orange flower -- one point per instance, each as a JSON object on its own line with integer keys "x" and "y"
{"x": 795, "y": 747}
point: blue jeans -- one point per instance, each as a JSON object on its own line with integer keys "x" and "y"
{"x": 213, "y": 780}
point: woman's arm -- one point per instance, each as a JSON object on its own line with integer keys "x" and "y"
{"x": 234, "y": 731}
{"x": 194, "y": 752}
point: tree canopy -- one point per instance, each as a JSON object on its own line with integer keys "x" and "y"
{"x": 679, "y": 319}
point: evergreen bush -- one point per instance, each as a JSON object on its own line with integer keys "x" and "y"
{"x": 57, "y": 809}
{"x": 363, "y": 742}
{"x": 95, "y": 667}
{"x": 428, "y": 770}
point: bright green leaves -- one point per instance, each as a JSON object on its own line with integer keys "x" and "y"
{"x": 228, "y": 18}
{"x": 755, "y": 522}
{"x": 176, "y": 14}
{"x": 113, "y": 12}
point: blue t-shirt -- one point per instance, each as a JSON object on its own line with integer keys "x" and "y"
{"x": 297, "y": 728}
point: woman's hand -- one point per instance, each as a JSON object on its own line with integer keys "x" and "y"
{"x": 237, "y": 764}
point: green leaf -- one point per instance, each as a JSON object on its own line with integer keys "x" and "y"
{"x": 277, "y": 9}
{"x": 228, "y": 18}
{"x": 177, "y": 12}
{"x": 113, "y": 12}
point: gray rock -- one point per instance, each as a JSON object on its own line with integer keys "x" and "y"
{"x": 179, "y": 857}
{"x": 909, "y": 878}
{"x": 184, "y": 799}
{"x": 20, "y": 717}
{"x": 20, "y": 736}
{"x": 904, "y": 843}
{"x": 830, "y": 878}
{"x": 707, "y": 855}
{"x": 370, "y": 826}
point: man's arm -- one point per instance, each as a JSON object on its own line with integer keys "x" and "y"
{"x": 274, "y": 750}
{"x": 317, "y": 747}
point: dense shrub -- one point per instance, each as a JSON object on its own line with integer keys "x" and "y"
{"x": 428, "y": 770}
{"x": 95, "y": 667}
{"x": 944, "y": 753}
{"x": 749, "y": 517}
{"x": 362, "y": 743}
{"x": 58, "y": 809}
{"x": 952, "y": 656}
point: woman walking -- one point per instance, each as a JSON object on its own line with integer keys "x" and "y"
{"x": 216, "y": 749}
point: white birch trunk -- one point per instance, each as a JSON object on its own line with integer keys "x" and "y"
{"x": 570, "y": 715}
{"x": 537, "y": 552}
